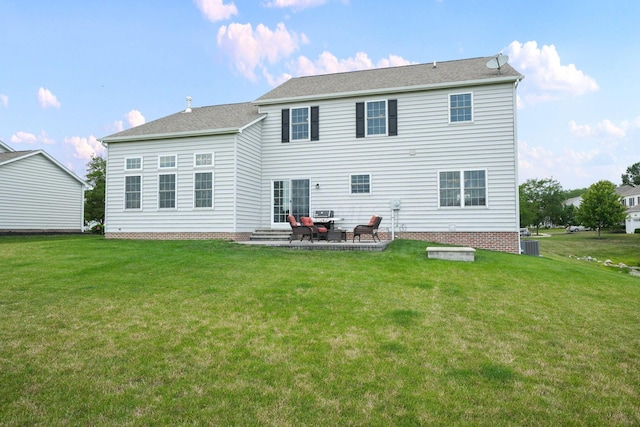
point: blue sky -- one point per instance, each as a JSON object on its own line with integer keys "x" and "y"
{"x": 75, "y": 71}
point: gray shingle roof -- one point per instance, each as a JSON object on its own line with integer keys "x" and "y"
{"x": 214, "y": 119}
{"x": 5, "y": 157}
{"x": 380, "y": 79}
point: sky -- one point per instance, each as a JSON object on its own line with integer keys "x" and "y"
{"x": 72, "y": 72}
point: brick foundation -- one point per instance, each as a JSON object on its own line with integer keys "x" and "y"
{"x": 502, "y": 241}
{"x": 238, "y": 237}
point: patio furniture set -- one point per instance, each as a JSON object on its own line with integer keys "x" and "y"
{"x": 321, "y": 227}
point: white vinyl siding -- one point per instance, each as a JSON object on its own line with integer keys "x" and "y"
{"x": 36, "y": 194}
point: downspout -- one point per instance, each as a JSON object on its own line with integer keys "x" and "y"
{"x": 515, "y": 140}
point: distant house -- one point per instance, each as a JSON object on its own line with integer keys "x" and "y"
{"x": 438, "y": 141}
{"x": 631, "y": 200}
{"x": 38, "y": 194}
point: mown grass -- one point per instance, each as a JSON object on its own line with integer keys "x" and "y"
{"x": 104, "y": 332}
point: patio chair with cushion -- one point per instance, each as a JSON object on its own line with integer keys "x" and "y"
{"x": 370, "y": 228}
{"x": 319, "y": 231}
{"x": 299, "y": 230}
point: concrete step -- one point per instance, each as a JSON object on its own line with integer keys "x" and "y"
{"x": 266, "y": 234}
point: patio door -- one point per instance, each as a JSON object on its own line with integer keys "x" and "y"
{"x": 289, "y": 196}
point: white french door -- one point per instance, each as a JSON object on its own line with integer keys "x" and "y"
{"x": 289, "y": 197}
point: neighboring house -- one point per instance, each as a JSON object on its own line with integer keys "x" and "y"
{"x": 631, "y": 200}
{"x": 440, "y": 139}
{"x": 38, "y": 194}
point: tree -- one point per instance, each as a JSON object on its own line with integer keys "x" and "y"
{"x": 632, "y": 177}
{"x": 601, "y": 207}
{"x": 540, "y": 202}
{"x": 94, "y": 197}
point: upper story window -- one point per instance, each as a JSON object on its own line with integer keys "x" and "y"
{"x": 377, "y": 118}
{"x": 300, "y": 124}
{"x": 361, "y": 184}
{"x": 166, "y": 162}
{"x": 460, "y": 107}
{"x": 469, "y": 191}
{"x": 203, "y": 159}
{"x": 632, "y": 202}
{"x": 133, "y": 163}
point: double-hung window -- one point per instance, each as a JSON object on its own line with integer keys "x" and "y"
{"x": 167, "y": 191}
{"x": 203, "y": 181}
{"x": 360, "y": 184}
{"x": 460, "y": 107}
{"x": 377, "y": 118}
{"x": 301, "y": 124}
{"x": 462, "y": 188}
{"x": 133, "y": 192}
{"x": 133, "y": 183}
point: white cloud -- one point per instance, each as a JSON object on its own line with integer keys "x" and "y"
{"x": 216, "y": 10}
{"x": 133, "y": 117}
{"x": 29, "y": 138}
{"x": 4, "y": 100}
{"x": 329, "y": 63}
{"x": 295, "y": 4}
{"x": 47, "y": 99}
{"x": 545, "y": 75}
{"x": 23, "y": 138}
{"x": 604, "y": 128}
{"x": 250, "y": 49}
{"x": 85, "y": 148}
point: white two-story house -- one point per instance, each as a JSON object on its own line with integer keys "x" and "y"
{"x": 437, "y": 140}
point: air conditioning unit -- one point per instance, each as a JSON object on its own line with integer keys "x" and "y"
{"x": 530, "y": 247}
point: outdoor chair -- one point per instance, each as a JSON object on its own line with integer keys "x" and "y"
{"x": 299, "y": 230}
{"x": 319, "y": 231}
{"x": 371, "y": 228}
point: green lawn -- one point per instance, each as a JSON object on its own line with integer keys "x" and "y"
{"x": 105, "y": 332}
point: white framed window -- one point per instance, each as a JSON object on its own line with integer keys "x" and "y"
{"x": 167, "y": 191}
{"x": 360, "y": 183}
{"x": 203, "y": 190}
{"x": 133, "y": 192}
{"x": 460, "y": 107}
{"x": 166, "y": 162}
{"x": 133, "y": 163}
{"x": 376, "y": 117}
{"x": 300, "y": 124}
{"x": 203, "y": 159}
{"x": 471, "y": 190}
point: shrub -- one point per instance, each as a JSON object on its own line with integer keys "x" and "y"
{"x": 98, "y": 229}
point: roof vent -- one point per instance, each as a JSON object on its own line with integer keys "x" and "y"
{"x": 434, "y": 64}
{"x": 188, "y": 109}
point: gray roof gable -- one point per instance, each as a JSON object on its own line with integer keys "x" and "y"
{"x": 217, "y": 119}
{"x": 403, "y": 78}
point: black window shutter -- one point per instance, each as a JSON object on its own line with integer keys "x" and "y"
{"x": 359, "y": 119}
{"x": 315, "y": 123}
{"x": 285, "y": 125}
{"x": 393, "y": 117}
